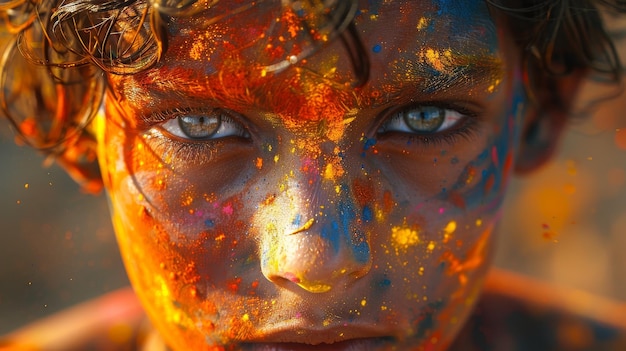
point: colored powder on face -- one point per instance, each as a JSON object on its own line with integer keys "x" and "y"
{"x": 233, "y": 284}
{"x": 296, "y": 220}
{"x": 388, "y": 202}
{"x": 172, "y": 313}
{"x": 470, "y": 174}
{"x": 313, "y": 287}
{"x": 384, "y": 283}
{"x": 363, "y": 191}
{"x": 439, "y": 60}
{"x": 474, "y": 258}
{"x": 306, "y": 104}
{"x": 422, "y": 23}
{"x": 489, "y": 183}
{"x": 307, "y": 225}
{"x": 403, "y": 238}
{"x": 492, "y": 87}
{"x": 203, "y": 49}
{"x": 368, "y": 143}
{"x": 431, "y": 246}
{"x": 186, "y": 200}
{"x": 450, "y": 228}
{"x": 333, "y": 170}
{"x": 377, "y": 48}
{"x": 228, "y": 209}
{"x": 367, "y": 214}
{"x": 494, "y": 156}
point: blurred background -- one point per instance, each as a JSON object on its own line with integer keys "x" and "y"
{"x": 565, "y": 224}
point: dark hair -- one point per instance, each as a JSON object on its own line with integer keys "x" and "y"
{"x": 75, "y": 43}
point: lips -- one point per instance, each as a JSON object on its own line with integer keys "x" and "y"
{"x": 361, "y": 344}
{"x": 338, "y": 338}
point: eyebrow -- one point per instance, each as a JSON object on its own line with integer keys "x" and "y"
{"x": 411, "y": 79}
{"x": 469, "y": 71}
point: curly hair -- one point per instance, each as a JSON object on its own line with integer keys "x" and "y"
{"x": 75, "y": 43}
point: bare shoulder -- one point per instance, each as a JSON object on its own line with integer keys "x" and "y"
{"x": 520, "y": 314}
{"x": 112, "y": 322}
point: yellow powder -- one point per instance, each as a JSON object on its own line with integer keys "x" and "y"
{"x": 450, "y": 228}
{"x": 403, "y": 238}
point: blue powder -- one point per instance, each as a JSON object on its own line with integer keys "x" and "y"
{"x": 367, "y": 213}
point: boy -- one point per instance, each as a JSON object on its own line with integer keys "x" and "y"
{"x": 300, "y": 175}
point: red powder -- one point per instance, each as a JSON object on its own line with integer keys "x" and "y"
{"x": 489, "y": 183}
{"x": 457, "y": 199}
{"x": 233, "y": 284}
{"x": 387, "y": 202}
{"x": 363, "y": 191}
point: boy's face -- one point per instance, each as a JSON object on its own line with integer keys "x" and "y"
{"x": 273, "y": 210}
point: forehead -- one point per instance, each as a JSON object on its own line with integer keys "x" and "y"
{"x": 235, "y": 51}
{"x": 279, "y": 32}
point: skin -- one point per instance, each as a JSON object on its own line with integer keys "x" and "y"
{"x": 314, "y": 216}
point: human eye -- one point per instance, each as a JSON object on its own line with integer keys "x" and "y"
{"x": 422, "y": 120}
{"x": 430, "y": 123}
{"x": 203, "y": 125}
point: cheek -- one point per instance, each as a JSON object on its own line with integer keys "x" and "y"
{"x": 437, "y": 214}
{"x": 181, "y": 235}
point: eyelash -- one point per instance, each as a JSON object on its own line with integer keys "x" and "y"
{"x": 465, "y": 130}
{"x": 188, "y": 151}
{"x": 158, "y": 117}
{"x": 201, "y": 151}
{"x": 185, "y": 150}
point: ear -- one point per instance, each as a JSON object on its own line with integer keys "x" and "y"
{"x": 546, "y": 119}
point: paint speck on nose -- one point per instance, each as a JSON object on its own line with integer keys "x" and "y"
{"x": 291, "y": 277}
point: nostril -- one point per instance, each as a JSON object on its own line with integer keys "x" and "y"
{"x": 291, "y": 277}
{"x": 287, "y": 278}
{"x": 308, "y": 262}
{"x": 280, "y": 280}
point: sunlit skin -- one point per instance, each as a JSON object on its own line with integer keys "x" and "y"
{"x": 315, "y": 215}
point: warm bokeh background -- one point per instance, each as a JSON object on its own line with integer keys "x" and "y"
{"x": 564, "y": 224}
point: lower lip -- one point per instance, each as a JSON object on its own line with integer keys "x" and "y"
{"x": 365, "y": 344}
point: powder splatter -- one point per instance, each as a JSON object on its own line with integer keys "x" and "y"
{"x": 403, "y": 238}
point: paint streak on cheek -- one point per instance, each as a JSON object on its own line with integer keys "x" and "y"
{"x": 484, "y": 180}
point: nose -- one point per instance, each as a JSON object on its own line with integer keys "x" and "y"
{"x": 314, "y": 239}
